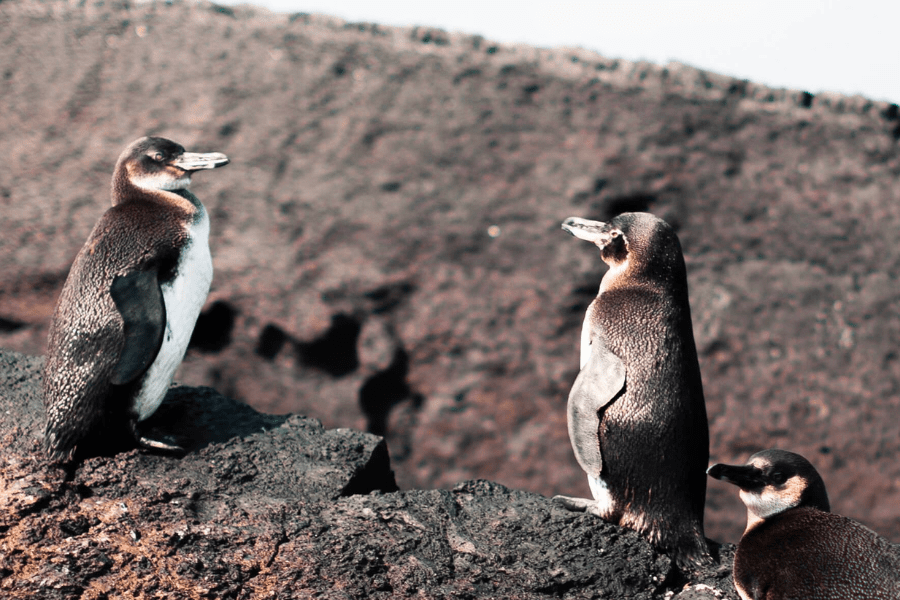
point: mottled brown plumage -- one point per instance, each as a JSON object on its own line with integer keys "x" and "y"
{"x": 637, "y": 417}
{"x": 111, "y": 321}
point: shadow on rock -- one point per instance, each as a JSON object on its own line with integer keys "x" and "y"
{"x": 197, "y": 417}
{"x": 264, "y": 506}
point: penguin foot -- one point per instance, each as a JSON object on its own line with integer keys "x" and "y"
{"x": 579, "y": 504}
{"x": 152, "y": 444}
{"x": 158, "y": 446}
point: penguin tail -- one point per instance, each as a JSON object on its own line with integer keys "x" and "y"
{"x": 690, "y": 553}
{"x": 58, "y": 448}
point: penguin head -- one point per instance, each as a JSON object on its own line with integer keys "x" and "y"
{"x": 153, "y": 163}
{"x": 774, "y": 481}
{"x": 609, "y": 238}
{"x": 637, "y": 242}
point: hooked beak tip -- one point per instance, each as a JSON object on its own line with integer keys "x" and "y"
{"x": 595, "y": 232}
{"x": 193, "y": 161}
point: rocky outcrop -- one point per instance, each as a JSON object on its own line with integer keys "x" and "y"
{"x": 279, "y": 507}
{"x": 387, "y": 246}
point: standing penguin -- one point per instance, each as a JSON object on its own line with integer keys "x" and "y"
{"x": 636, "y": 414}
{"x": 128, "y": 307}
{"x": 794, "y": 547}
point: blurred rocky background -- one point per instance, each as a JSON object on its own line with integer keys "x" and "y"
{"x": 387, "y": 245}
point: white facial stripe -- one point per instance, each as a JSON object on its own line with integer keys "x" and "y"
{"x": 772, "y": 500}
{"x": 764, "y": 504}
{"x": 161, "y": 181}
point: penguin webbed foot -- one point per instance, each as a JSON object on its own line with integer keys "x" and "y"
{"x": 573, "y": 504}
{"x": 155, "y": 445}
{"x": 159, "y": 446}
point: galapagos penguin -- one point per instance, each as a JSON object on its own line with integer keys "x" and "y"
{"x": 127, "y": 309}
{"x": 793, "y": 547}
{"x": 636, "y": 413}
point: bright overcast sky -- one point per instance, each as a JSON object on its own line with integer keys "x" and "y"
{"x": 816, "y": 45}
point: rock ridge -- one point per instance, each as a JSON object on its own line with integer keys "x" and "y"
{"x": 387, "y": 248}
{"x": 279, "y": 507}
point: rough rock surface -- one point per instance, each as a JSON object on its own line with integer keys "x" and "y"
{"x": 387, "y": 246}
{"x": 274, "y": 507}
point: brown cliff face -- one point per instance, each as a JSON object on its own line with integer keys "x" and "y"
{"x": 387, "y": 245}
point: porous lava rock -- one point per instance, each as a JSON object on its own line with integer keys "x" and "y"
{"x": 269, "y": 507}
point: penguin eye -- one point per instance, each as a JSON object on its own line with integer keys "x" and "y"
{"x": 778, "y": 477}
{"x": 158, "y": 156}
{"x": 614, "y": 234}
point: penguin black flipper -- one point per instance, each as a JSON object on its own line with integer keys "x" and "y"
{"x": 139, "y": 299}
{"x": 601, "y": 380}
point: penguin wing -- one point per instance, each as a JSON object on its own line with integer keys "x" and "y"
{"x": 139, "y": 300}
{"x": 601, "y": 380}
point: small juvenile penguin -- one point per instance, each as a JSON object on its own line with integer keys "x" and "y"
{"x": 636, "y": 413}
{"x": 126, "y": 312}
{"x": 794, "y": 547}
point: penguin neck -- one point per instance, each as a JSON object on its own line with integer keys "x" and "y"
{"x": 124, "y": 190}
{"x": 617, "y": 272}
{"x": 753, "y": 521}
{"x": 756, "y": 517}
{"x": 626, "y": 273}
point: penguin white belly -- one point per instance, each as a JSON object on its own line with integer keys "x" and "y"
{"x": 183, "y": 297}
{"x": 586, "y": 326}
{"x": 600, "y": 492}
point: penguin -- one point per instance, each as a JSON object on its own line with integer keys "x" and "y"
{"x": 129, "y": 304}
{"x": 636, "y": 412}
{"x": 793, "y": 546}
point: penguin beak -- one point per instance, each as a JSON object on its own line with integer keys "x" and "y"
{"x": 194, "y": 161}
{"x": 595, "y": 232}
{"x": 746, "y": 477}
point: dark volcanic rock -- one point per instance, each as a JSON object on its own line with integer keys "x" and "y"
{"x": 387, "y": 246}
{"x": 290, "y": 510}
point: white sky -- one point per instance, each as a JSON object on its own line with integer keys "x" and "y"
{"x": 814, "y": 45}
